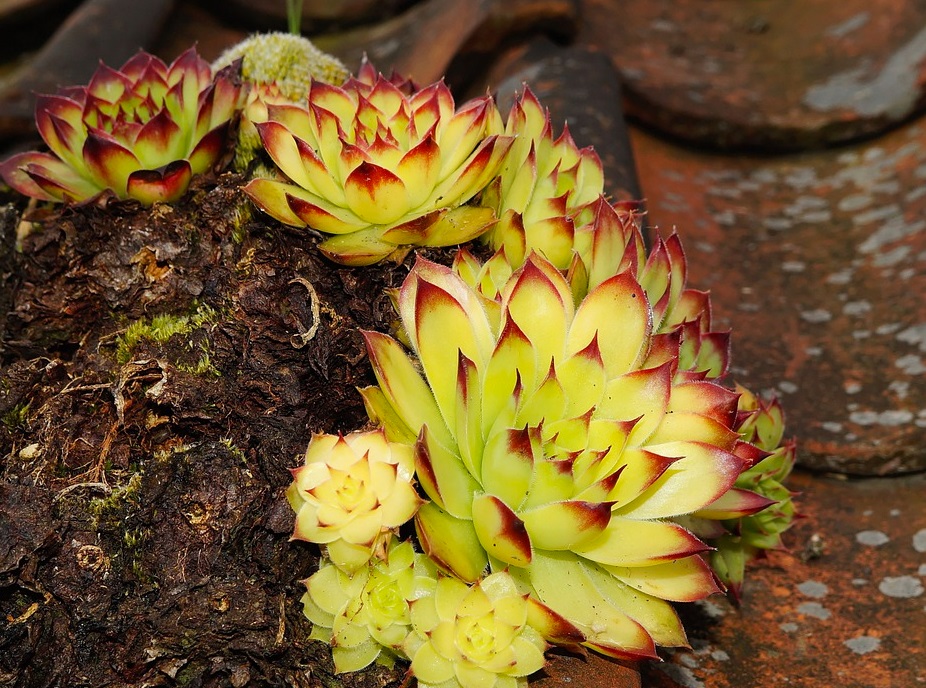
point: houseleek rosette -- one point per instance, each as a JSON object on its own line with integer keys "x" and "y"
{"x": 379, "y": 168}
{"x": 141, "y": 131}
{"x": 487, "y": 635}
{"x": 739, "y": 538}
{"x": 366, "y": 616}
{"x": 351, "y": 493}
{"x": 548, "y": 449}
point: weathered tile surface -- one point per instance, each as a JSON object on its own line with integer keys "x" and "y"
{"x": 772, "y": 73}
{"x": 818, "y": 263}
{"x": 847, "y": 608}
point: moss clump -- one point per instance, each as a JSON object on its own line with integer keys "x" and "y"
{"x": 160, "y": 329}
{"x": 291, "y": 62}
{"x": 16, "y": 417}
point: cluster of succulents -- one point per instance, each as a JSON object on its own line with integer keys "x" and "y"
{"x": 556, "y": 456}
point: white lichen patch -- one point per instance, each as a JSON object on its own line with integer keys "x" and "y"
{"x": 901, "y": 586}
{"x": 814, "y": 589}
{"x": 814, "y": 609}
{"x": 891, "y": 258}
{"x": 683, "y": 676}
{"x": 890, "y": 418}
{"x": 863, "y": 644}
{"x": 919, "y": 541}
{"x": 856, "y": 308}
{"x": 844, "y": 276}
{"x": 816, "y": 316}
{"x": 831, "y": 426}
{"x": 916, "y": 335}
{"x": 794, "y": 266}
{"x": 911, "y": 364}
{"x": 855, "y": 202}
{"x": 787, "y": 387}
{"x": 901, "y": 389}
{"x": 788, "y": 627}
{"x": 871, "y": 538}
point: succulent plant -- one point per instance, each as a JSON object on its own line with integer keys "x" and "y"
{"x": 278, "y": 67}
{"x": 606, "y": 241}
{"x": 351, "y": 493}
{"x": 487, "y": 635}
{"x": 745, "y": 537}
{"x": 366, "y": 616}
{"x": 547, "y": 448}
{"x": 380, "y": 168}
{"x": 543, "y": 184}
{"x": 141, "y": 131}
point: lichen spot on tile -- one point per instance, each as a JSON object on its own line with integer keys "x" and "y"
{"x": 901, "y": 586}
{"x": 788, "y": 627}
{"x": 816, "y": 316}
{"x": 871, "y": 538}
{"x": 919, "y": 541}
{"x": 863, "y": 644}
{"x": 813, "y": 589}
{"x": 814, "y": 609}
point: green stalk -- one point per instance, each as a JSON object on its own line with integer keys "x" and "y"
{"x": 294, "y": 16}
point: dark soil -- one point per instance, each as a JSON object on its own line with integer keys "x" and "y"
{"x": 144, "y": 535}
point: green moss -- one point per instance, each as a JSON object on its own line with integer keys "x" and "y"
{"x": 16, "y": 417}
{"x": 116, "y": 500}
{"x": 160, "y": 329}
{"x": 234, "y": 449}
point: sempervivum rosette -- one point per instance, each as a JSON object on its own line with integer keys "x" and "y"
{"x": 380, "y": 168}
{"x": 737, "y": 537}
{"x": 141, "y": 131}
{"x": 351, "y": 493}
{"x": 548, "y": 448}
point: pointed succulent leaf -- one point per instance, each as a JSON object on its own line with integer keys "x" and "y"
{"x": 652, "y": 612}
{"x": 566, "y": 585}
{"x": 734, "y": 503}
{"x": 452, "y": 543}
{"x": 500, "y": 531}
{"x": 404, "y": 388}
{"x": 683, "y": 580}
{"x": 444, "y": 477}
{"x": 164, "y": 185}
{"x": 617, "y": 312}
{"x": 508, "y": 464}
{"x": 628, "y": 542}
{"x": 566, "y": 525}
{"x": 711, "y": 468}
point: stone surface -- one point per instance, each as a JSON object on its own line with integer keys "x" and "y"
{"x": 765, "y": 73}
{"x": 592, "y": 671}
{"x": 316, "y": 14}
{"x": 468, "y": 31}
{"x": 835, "y": 612}
{"x": 578, "y": 87}
{"x": 818, "y": 263}
{"x": 108, "y": 30}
